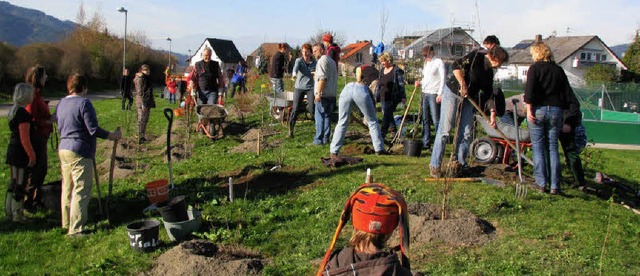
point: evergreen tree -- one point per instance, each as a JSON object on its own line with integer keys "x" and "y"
{"x": 632, "y": 55}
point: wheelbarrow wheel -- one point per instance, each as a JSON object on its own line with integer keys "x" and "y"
{"x": 277, "y": 112}
{"x": 484, "y": 150}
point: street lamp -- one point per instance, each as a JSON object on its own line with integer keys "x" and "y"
{"x": 124, "y": 40}
{"x": 169, "y": 39}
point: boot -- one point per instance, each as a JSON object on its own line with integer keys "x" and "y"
{"x": 8, "y": 202}
{"x": 17, "y": 211}
{"x": 291, "y": 127}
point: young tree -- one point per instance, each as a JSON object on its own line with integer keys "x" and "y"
{"x": 632, "y": 55}
{"x": 338, "y": 38}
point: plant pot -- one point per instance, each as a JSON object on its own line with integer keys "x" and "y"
{"x": 157, "y": 191}
{"x": 173, "y": 210}
{"x": 143, "y": 235}
{"x": 412, "y": 147}
{"x": 177, "y": 231}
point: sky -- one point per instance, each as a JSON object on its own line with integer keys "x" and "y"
{"x": 251, "y": 22}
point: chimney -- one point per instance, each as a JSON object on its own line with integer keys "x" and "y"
{"x": 538, "y": 38}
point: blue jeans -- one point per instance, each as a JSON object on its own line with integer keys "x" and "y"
{"x": 358, "y": 94}
{"x": 448, "y": 110}
{"x": 430, "y": 114}
{"x": 545, "y": 131}
{"x": 324, "y": 108}
{"x": 277, "y": 85}
{"x": 208, "y": 97}
{"x": 387, "y": 116}
{"x": 298, "y": 97}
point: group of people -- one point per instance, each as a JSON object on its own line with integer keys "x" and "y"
{"x": 31, "y": 123}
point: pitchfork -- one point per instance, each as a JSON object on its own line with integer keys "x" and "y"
{"x": 521, "y": 188}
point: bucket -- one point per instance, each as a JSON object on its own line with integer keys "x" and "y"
{"x": 143, "y": 235}
{"x": 157, "y": 191}
{"x": 174, "y": 209}
{"x": 179, "y": 230}
{"x": 412, "y": 147}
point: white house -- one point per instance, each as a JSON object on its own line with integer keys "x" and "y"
{"x": 448, "y": 43}
{"x": 575, "y": 54}
{"x": 223, "y": 51}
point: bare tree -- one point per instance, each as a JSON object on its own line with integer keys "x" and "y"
{"x": 384, "y": 17}
{"x": 338, "y": 38}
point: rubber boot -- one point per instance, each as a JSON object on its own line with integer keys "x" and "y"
{"x": 17, "y": 211}
{"x": 292, "y": 125}
{"x": 8, "y": 203}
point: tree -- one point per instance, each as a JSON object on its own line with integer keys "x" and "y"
{"x": 631, "y": 57}
{"x": 600, "y": 73}
{"x": 317, "y": 37}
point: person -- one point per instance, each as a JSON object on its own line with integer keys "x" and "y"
{"x": 78, "y": 126}
{"x": 333, "y": 50}
{"x": 303, "y": 70}
{"x": 375, "y": 211}
{"x": 573, "y": 137}
{"x": 433, "y": 83}
{"x": 171, "y": 88}
{"x": 239, "y": 79}
{"x": 144, "y": 100}
{"x": 391, "y": 90}
{"x": 277, "y": 67}
{"x": 125, "y": 89}
{"x": 20, "y": 152}
{"x": 490, "y": 42}
{"x": 474, "y": 80}
{"x": 544, "y": 95}
{"x": 207, "y": 78}
{"x": 325, "y": 91}
{"x": 356, "y": 93}
{"x": 41, "y": 116}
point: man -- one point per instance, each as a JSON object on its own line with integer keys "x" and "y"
{"x": 333, "y": 50}
{"x": 490, "y": 42}
{"x": 473, "y": 73}
{"x": 358, "y": 93}
{"x": 433, "y": 83}
{"x": 276, "y": 71}
{"x": 125, "y": 89}
{"x": 325, "y": 92}
{"x": 208, "y": 79}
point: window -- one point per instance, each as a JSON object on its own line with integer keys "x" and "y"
{"x": 457, "y": 50}
{"x": 359, "y": 57}
{"x": 588, "y": 56}
{"x": 603, "y": 57}
{"x": 597, "y": 56}
{"x": 583, "y": 56}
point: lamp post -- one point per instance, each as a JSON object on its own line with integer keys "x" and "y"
{"x": 124, "y": 40}
{"x": 169, "y": 39}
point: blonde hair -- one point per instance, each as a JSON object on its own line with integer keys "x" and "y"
{"x": 22, "y": 96}
{"x": 359, "y": 74}
{"x": 386, "y": 57}
{"x": 541, "y": 52}
{"x": 361, "y": 239}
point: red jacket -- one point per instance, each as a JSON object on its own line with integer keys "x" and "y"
{"x": 41, "y": 114}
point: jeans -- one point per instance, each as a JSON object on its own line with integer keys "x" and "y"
{"x": 298, "y": 97}
{"x": 448, "y": 110}
{"x": 572, "y": 156}
{"x": 208, "y": 97}
{"x": 358, "y": 94}
{"x": 545, "y": 131}
{"x": 387, "y": 116}
{"x": 171, "y": 98}
{"x": 323, "y": 120}
{"x": 277, "y": 85}
{"x": 430, "y": 114}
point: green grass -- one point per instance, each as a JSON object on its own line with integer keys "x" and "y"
{"x": 290, "y": 216}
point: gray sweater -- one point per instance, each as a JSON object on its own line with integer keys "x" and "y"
{"x": 327, "y": 70}
{"x": 78, "y": 125}
{"x": 302, "y": 71}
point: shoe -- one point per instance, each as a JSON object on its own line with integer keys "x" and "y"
{"x": 538, "y": 188}
{"x": 434, "y": 172}
{"x": 382, "y": 152}
{"x": 555, "y": 192}
{"x": 333, "y": 156}
{"x": 290, "y": 135}
{"x": 76, "y": 235}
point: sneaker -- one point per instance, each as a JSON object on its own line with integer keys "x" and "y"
{"x": 434, "y": 172}
{"x": 555, "y": 191}
{"x": 76, "y": 235}
{"x": 382, "y": 152}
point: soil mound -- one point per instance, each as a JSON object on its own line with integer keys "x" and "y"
{"x": 200, "y": 257}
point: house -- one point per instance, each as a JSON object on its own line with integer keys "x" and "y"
{"x": 354, "y": 55}
{"x": 223, "y": 51}
{"x": 264, "y": 54}
{"x": 575, "y": 54}
{"x": 449, "y": 43}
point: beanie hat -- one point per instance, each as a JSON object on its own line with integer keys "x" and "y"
{"x": 374, "y": 208}
{"x": 327, "y": 38}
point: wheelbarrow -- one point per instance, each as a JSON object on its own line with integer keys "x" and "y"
{"x": 210, "y": 120}
{"x": 493, "y": 148}
{"x": 280, "y": 105}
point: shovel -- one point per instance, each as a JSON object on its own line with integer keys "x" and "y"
{"x": 521, "y": 190}
{"x": 168, "y": 112}
{"x": 95, "y": 174}
{"x": 111, "y": 167}
{"x": 396, "y": 138}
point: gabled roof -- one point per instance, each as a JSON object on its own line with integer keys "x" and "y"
{"x": 432, "y": 37}
{"x": 268, "y": 48}
{"x": 353, "y": 48}
{"x": 225, "y": 50}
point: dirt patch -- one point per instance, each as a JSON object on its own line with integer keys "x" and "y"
{"x": 496, "y": 171}
{"x": 356, "y": 149}
{"x": 253, "y": 133}
{"x": 460, "y": 228}
{"x": 250, "y": 139}
{"x": 200, "y": 257}
{"x": 124, "y": 168}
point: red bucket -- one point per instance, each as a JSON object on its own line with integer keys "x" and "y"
{"x": 157, "y": 191}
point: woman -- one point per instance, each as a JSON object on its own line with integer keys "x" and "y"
{"x": 303, "y": 70}
{"x": 20, "y": 153}
{"x": 390, "y": 90}
{"x": 144, "y": 100}
{"x": 544, "y": 94}
{"x": 375, "y": 212}
{"x": 78, "y": 126}
{"x": 41, "y": 116}
{"x": 433, "y": 83}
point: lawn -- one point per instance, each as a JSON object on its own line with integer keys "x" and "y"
{"x": 289, "y": 215}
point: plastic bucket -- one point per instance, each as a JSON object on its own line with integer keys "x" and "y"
{"x": 177, "y": 231}
{"x": 143, "y": 235}
{"x": 157, "y": 191}
{"x": 412, "y": 147}
{"x": 173, "y": 210}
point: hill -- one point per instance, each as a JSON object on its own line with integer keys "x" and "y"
{"x": 619, "y": 49}
{"x": 20, "y": 26}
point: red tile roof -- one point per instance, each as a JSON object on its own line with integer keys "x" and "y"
{"x": 352, "y": 49}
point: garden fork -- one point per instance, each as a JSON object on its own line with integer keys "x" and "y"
{"x": 521, "y": 188}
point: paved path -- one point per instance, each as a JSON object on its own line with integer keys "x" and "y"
{"x": 4, "y": 108}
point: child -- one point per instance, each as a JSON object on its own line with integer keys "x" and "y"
{"x": 20, "y": 153}
{"x": 376, "y": 211}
